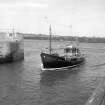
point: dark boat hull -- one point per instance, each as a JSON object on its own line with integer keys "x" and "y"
{"x": 54, "y": 61}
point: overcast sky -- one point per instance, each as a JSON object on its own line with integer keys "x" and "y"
{"x": 67, "y": 17}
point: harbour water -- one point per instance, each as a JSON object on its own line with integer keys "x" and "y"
{"x": 23, "y": 83}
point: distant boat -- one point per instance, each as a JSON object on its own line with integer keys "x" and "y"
{"x": 54, "y": 61}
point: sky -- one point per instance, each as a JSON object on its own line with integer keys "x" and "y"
{"x": 67, "y": 17}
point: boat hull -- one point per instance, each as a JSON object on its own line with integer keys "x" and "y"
{"x": 51, "y": 62}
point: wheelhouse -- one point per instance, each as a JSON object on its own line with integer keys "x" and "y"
{"x": 72, "y": 50}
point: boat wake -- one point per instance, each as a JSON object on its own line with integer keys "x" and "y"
{"x": 103, "y": 64}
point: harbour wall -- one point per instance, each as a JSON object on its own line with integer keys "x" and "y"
{"x": 11, "y": 47}
{"x": 98, "y": 96}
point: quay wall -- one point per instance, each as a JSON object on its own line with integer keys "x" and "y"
{"x": 98, "y": 96}
{"x": 11, "y": 47}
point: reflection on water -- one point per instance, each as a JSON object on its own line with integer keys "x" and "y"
{"x": 10, "y": 83}
{"x": 63, "y": 87}
{"x": 49, "y": 78}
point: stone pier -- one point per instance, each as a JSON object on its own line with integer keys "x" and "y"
{"x": 98, "y": 96}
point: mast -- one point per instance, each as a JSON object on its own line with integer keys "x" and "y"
{"x": 50, "y": 39}
{"x": 77, "y": 42}
{"x": 13, "y": 33}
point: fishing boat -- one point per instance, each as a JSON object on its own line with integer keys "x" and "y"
{"x": 53, "y": 61}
